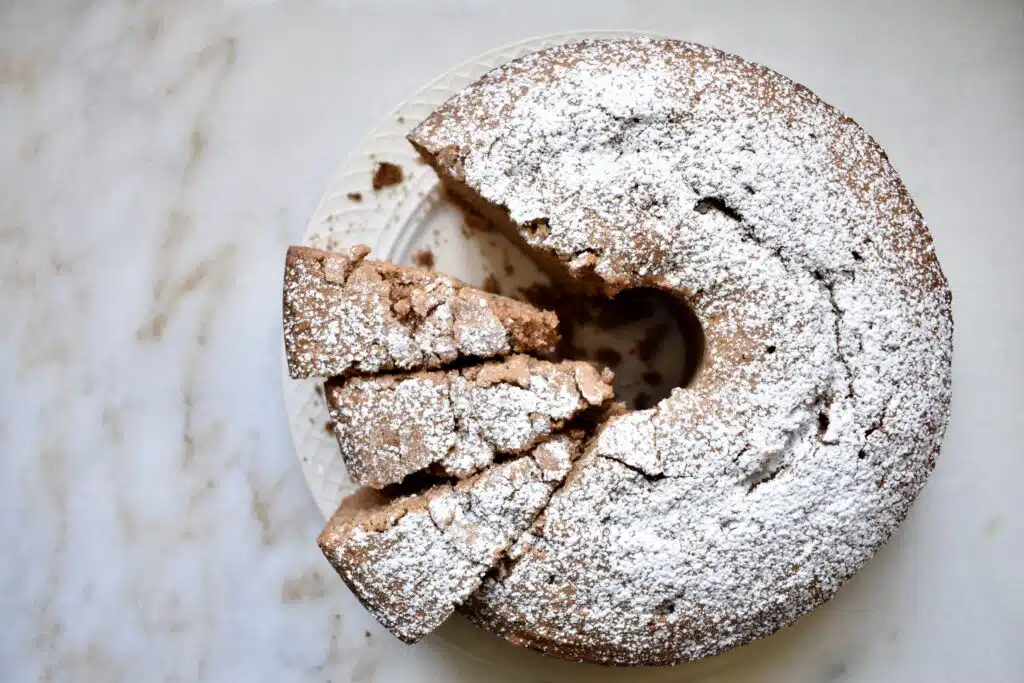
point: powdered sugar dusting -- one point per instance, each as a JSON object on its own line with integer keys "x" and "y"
{"x": 483, "y": 516}
{"x": 344, "y": 315}
{"x": 409, "y": 576}
{"x": 390, "y": 426}
{"x": 741, "y": 502}
{"x": 478, "y": 331}
{"x": 411, "y": 561}
{"x": 506, "y": 416}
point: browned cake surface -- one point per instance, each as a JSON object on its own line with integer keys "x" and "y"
{"x": 345, "y": 314}
{"x": 741, "y": 502}
{"x": 412, "y": 560}
{"x": 390, "y": 426}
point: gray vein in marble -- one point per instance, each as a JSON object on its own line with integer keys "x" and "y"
{"x": 155, "y": 160}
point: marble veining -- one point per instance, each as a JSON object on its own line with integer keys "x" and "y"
{"x": 155, "y": 160}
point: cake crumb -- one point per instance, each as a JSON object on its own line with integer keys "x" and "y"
{"x": 386, "y": 174}
{"x": 424, "y": 258}
{"x": 329, "y": 427}
{"x": 355, "y": 196}
{"x": 492, "y": 285}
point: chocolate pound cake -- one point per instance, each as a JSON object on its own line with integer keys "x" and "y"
{"x": 345, "y": 315}
{"x": 746, "y": 498}
{"x": 412, "y": 560}
{"x": 456, "y": 421}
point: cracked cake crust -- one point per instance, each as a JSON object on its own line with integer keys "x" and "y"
{"x": 456, "y": 422}
{"x": 412, "y": 560}
{"x": 746, "y": 499}
{"x": 347, "y": 315}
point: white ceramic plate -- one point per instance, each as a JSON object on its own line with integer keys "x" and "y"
{"x": 396, "y": 222}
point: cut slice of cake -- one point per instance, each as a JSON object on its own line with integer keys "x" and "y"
{"x": 345, "y": 315}
{"x": 412, "y": 560}
{"x": 456, "y": 422}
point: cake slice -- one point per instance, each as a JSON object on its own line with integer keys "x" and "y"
{"x": 456, "y": 422}
{"x": 411, "y": 561}
{"x": 345, "y": 315}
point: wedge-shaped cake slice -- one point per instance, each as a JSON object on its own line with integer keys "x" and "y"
{"x": 412, "y": 560}
{"x": 455, "y": 422}
{"x": 346, "y": 315}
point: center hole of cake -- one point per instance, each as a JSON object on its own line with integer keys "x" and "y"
{"x": 651, "y": 340}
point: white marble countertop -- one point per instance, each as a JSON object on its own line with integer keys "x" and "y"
{"x": 155, "y": 159}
